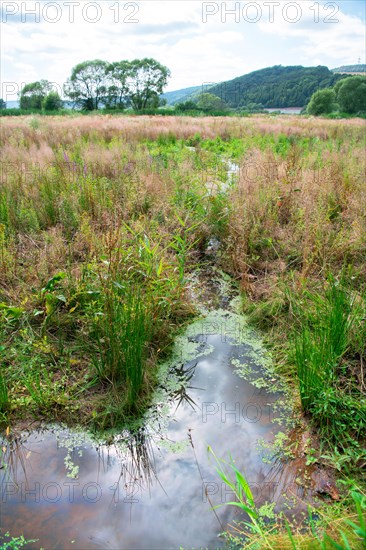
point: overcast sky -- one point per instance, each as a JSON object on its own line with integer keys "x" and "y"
{"x": 200, "y": 42}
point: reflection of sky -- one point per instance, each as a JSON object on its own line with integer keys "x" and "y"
{"x": 172, "y": 509}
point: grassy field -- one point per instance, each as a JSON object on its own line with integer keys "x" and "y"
{"x": 101, "y": 220}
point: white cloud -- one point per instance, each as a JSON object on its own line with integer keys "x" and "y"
{"x": 173, "y": 32}
{"x": 342, "y": 41}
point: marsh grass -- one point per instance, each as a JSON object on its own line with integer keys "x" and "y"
{"x": 242, "y": 494}
{"x": 38, "y": 384}
{"x": 123, "y": 329}
{"x": 324, "y": 338}
{"x": 4, "y": 397}
{"x": 103, "y": 217}
{"x": 76, "y": 190}
{"x": 264, "y": 528}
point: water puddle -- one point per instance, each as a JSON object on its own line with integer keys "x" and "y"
{"x": 220, "y": 180}
{"x": 154, "y": 488}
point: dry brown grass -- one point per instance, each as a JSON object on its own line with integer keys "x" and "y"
{"x": 306, "y": 209}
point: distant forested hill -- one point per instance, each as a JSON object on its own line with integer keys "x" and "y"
{"x": 180, "y": 95}
{"x": 276, "y": 86}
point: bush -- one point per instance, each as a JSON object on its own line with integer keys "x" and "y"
{"x": 322, "y": 102}
{"x": 351, "y": 94}
{"x": 52, "y": 102}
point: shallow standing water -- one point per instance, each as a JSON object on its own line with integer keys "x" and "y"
{"x": 153, "y": 489}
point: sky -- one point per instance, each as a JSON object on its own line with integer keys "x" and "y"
{"x": 200, "y": 42}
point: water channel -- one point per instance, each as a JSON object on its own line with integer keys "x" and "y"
{"x": 155, "y": 486}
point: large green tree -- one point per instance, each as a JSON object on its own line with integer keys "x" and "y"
{"x": 88, "y": 84}
{"x": 322, "y": 102}
{"x": 138, "y": 83}
{"x": 117, "y": 89}
{"x": 32, "y": 95}
{"x": 145, "y": 82}
{"x": 351, "y": 94}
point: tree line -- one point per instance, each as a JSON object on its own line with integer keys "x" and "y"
{"x": 138, "y": 84}
{"x": 347, "y": 96}
{"x": 92, "y": 84}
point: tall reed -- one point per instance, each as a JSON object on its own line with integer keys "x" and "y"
{"x": 123, "y": 331}
{"x": 4, "y": 397}
{"x": 323, "y": 339}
